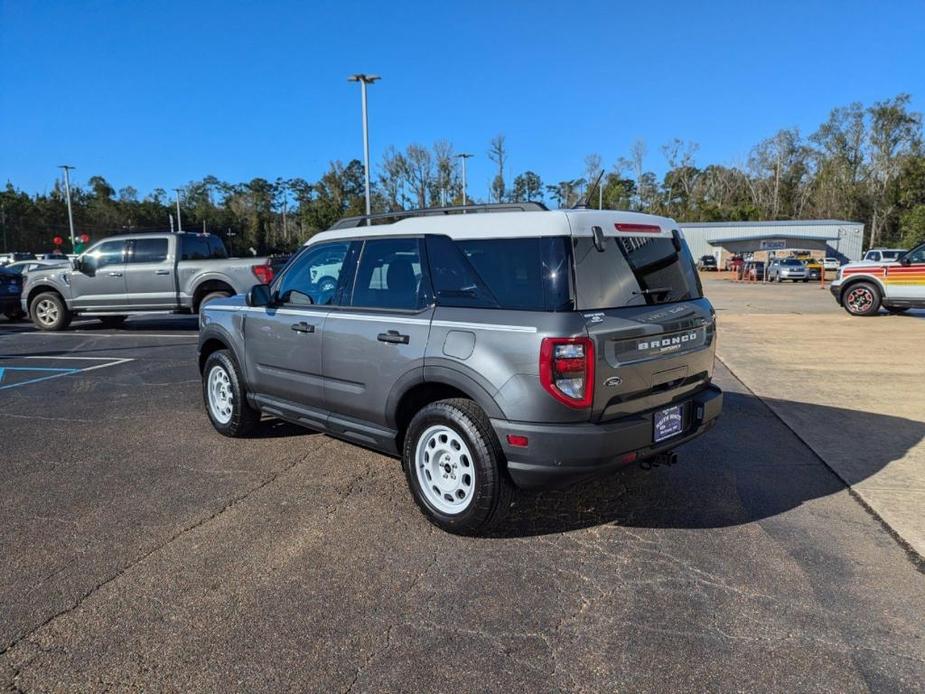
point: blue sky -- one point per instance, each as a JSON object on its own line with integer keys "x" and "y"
{"x": 158, "y": 94}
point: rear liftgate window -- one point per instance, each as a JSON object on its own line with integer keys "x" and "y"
{"x": 527, "y": 274}
{"x": 634, "y": 271}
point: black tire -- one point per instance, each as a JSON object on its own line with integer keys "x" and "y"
{"x": 862, "y": 299}
{"x": 805, "y": 280}
{"x": 896, "y": 310}
{"x": 49, "y": 312}
{"x": 243, "y": 418}
{"x": 492, "y": 489}
{"x": 112, "y": 321}
{"x": 14, "y": 315}
{"x": 211, "y": 296}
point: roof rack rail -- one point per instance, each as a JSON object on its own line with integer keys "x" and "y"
{"x": 360, "y": 220}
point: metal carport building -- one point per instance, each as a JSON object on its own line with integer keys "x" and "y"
{"x": 838, "y": 238}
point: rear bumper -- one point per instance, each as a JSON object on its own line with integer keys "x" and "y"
{"x": 560, "y": 454}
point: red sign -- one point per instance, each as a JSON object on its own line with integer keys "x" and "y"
{"x": 57, "y": 240}
{"x": 84, "y": 238}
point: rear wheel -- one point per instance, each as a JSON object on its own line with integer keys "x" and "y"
{"x": 212, "y": 296}
{"x": 862, "y": 299}
{"x": 454, "y": 467}
{"x": 49, "y": 312}
{"x": 225, "y": 397}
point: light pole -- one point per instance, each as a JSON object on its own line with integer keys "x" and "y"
{"x": 364, "y": 80}
{"x": 67, "y": 194}
{"x": 464, "y": 156}
{"x": 179, "y": 220}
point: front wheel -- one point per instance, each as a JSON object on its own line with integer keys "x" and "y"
{"x": 454, "y": 467}
{"x": 862, "y": 299}
{"x": 49, "y": 312}
{"x": 225, "y": 397}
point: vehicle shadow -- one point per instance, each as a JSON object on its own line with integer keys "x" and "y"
{"x": 160, "y": 323}
{"x": 748, "y": 468}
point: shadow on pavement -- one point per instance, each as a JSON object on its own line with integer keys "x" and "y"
{"x": 750, "y": 467}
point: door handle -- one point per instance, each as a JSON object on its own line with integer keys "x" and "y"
{"x": 115, "y": 274}
{"x": 394, "y": 337}
{"x": 303, "y": 327}
{"x": 162, "y": 272}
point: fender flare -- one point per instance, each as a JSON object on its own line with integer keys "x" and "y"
{"x": 440, "y": 374}
{"x": 854, "y": 279}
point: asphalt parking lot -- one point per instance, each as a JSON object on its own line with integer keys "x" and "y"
{"x": 144, "y": 551}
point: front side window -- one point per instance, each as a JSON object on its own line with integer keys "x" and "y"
{"x": 917, "y": 255}
{"x": 105, "y": 254}
{"x": 389, "y": 275}
{"x": 312, "y": 277}
{"x": 149, "y": 251}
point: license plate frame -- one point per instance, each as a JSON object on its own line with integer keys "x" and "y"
{"x": 667, "y": 423}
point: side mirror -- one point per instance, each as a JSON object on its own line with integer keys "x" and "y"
{"x": 75, "y": 263}
{"x": 905, "y": 260}
{"x": 259, "y": 295}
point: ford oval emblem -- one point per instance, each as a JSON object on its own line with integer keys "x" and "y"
{"x": 613, "y": 382}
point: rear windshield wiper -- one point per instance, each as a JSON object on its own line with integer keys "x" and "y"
{"x": 654, "y": 290}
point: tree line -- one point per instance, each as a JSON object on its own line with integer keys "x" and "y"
{"x": 862, "y": 164}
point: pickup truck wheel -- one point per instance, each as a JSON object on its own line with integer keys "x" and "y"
{"x": 225, "y": 396}
{"x": 454, "y": 467}
{"x": 862, "y": 299}
{"x": 211, "y": 296}
{"x": 49, "y": 312}
{"x": 112, "y": 321}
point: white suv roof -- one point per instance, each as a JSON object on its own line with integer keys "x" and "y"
{"x": 493, "y": 225}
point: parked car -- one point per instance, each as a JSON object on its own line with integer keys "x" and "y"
{"x": 813, "y": 267}
{"x": 883, "y": 255}
{"x": 707, "y": 263}
{"x": 831, "y": 264}
{"x": 12, "y": 257}
{"x": 445, "y": 342}
{"x": 22, "y": 266}
{"x": 863, "y": 288}
{"x": 754, "y": 270}
{"x": 10, "y": 291}
{"x": 129, "y": 274}
{"x": 781, "y": 269}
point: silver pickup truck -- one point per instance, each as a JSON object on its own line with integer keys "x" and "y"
{"x": 136, "y": 273}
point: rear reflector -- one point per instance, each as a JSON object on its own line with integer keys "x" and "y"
{"x": 629, "y": 457}
{"x": 516, "y": 440}
{"x": 638, "y": 228}
{"x": 263, "y": 273}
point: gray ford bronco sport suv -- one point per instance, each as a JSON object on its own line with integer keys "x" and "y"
{"x": 489, "y": 349}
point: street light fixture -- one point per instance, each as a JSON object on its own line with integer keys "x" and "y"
{"x": 464, "y": 156}
{"x": 179, "y": 221}
{"x": 364, "y": 80}
{"x": 67, "y": 192}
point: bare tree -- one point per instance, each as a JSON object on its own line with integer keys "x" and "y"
{"x": 497, "y": 152}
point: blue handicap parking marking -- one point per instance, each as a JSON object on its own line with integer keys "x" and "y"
{"x": 14, "y": 376}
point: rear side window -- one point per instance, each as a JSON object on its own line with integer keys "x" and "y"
{"x": 201, "y": 247}
{"x": 389, "y": 275}
{"x": 528, "y": 274}
{"x": 149, "y": 251}
{"x": 634, "y": 271}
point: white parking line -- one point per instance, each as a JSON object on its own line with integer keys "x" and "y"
{"x": 68, "y": 372}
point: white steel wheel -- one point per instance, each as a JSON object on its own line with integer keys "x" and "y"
{"x": 445, "y": 469}
{"x": 46, "y": 312}
{"x": 221, "y": 395}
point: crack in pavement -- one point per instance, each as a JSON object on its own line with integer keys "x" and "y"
{"x": 234, "y": 501}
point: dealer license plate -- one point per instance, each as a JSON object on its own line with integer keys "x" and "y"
{"x": 668, "y": 422}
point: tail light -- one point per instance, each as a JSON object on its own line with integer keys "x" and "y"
{"x": 567, "y": 370}
{"x": 263, "y": 273}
